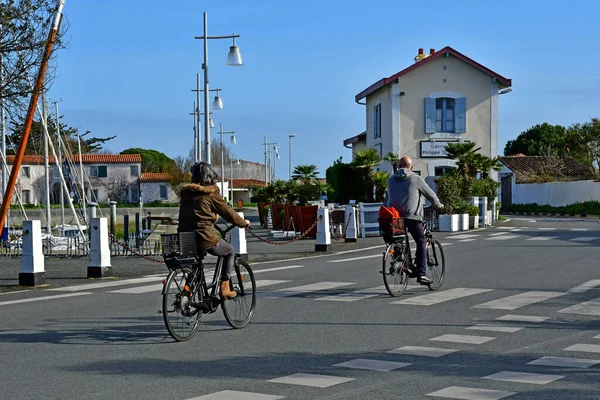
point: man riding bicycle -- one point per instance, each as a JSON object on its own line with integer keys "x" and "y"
{"x": 405, "y": 191}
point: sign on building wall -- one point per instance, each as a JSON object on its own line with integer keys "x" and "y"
{"x": 435, "y": 149}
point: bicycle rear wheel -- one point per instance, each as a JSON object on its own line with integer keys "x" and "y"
{"x": 436, "y": 263}
{"x": 181, "y": 318}
{"x": 238, "y": 310}
{"x": 395, "y": 278}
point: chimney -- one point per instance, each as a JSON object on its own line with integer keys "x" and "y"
{"x": 420, "y": 56}
{"x": 431, "y": 52}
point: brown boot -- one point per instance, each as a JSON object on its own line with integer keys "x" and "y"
{"x": 225, "y": 291}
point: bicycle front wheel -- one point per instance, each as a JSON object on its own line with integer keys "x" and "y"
{"x": 436, "y": 263}
{"x": 238, "y": 310}
{"x": 181, "y": 318}
{"x": 395, "y": 278}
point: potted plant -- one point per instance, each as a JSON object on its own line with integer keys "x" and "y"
{"x": 449, "y": 192}
{"x": 473, "y": 217}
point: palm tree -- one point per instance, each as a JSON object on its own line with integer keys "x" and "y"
{"x": 366, "y": 159}
{"x": 305, "y": 173}
{"x": 486, "y": 164}
{"x": 380, "y": 179}
{"x": 392, "y": 159}
{"x": 465, "y": 155}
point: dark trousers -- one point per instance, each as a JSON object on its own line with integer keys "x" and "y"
{"x": 227, "y": 252}
{"x": 415, "y": 228}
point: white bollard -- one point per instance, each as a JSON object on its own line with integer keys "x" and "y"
{"x": 323, "y": 242}
{"x": 352, "y": 230}
{"x": 238, "y": 241}
{"x": 32, "y": 262}
{"x": 99, "y": 266}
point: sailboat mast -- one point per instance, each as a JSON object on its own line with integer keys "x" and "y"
{"x": 3, "y": 134}
{"x": 83, "y": 194}
{"x": 44, "y": 116}
{"x": 60, "y": 160}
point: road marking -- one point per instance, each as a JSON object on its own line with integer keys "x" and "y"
{"x": 519, "y": 300}
{"x": 422, "y": 351}
{"x": 469, "y": 393}
{"x": 268, "y": 282}
{"x": 356, "y": 258}
{"x": 499, "y": 233}
{"x": 43, "y": 298}
{"x": 522, "y": 318}
{"x": 468, "y": 339}
{"x": 495, "y": 328}
{"x": 579, "y": 229}
{"x": 547, "y": 229}
{"x": 357, "y": 295}
{"x": 313, "y": 287}
{"x": 504, "y": 237}
{"x": 585, "y": 348}
{"x": 233, "y": 395}
{"x": 467, "y": 240}
{"x": 100, "y": 285}
{"x": 597, "y": 337}
{"x": 543, "y": 238}
{"x": 523, "y": 377}
{"x": 140, "y": 289}
{"x": 564, "y": 362}
{"x": 584, "y": 239}
{"x": 462, "y": 236}
{"x": 313, "y": 380}
{"x": 373, "y": 365}
{"x": 584, "y": 287}
{"x": 508, "y": 228}
{"x": 357, "y": 250}
{"x": 440, "y": 297}
{"x": 591, "y": 307}
{"x": 278, "y": 268}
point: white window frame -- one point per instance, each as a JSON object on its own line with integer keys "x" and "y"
{"x": 93, "y": 171}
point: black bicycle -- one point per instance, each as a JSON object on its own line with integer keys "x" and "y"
{"x": 187, "y": 294}
{"x": 399, "y": 264}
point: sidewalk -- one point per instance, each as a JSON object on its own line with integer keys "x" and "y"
{"x": 73, "y": 270}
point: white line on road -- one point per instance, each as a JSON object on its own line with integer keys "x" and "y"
{"x": 461, "y": 236}
{"x": 523, "y": 377}
{"x": 468, "y": 339}
{"x": 43, "y": 298}
{"x": 503, "y": 237}
{"x": 579, "y": 229}
{"x": 313, "y": 287}
{"x": 522, "y": 318}
{"x": 591, "y": 307}
{"x": 584, "y": 239}
{"x": 440, "y": 297}
{"x": 584, "y": 287}
{"x": 357, "y": 295}
{"x": 100, "y": 285}
{"x": 495, "y": 328}
{"x": 467, "y": 240}
{"x": 258, "y": 271}
{"x": 470, "y": 393}
{"x": 519, "y": 300}
{"x": 422, "y": 351}
{"x": 499, "y": 233}
{"x": 312, "y": 380}
{"x": 140, "y": 289}
{"x": 234, "y": 395}
{"x": 584, "y": 348}
{"x": 356, "y": 258}
{"x": 373, "y": 365}
{"x": 564, "y": 362}
{"x": 543, "y": 238}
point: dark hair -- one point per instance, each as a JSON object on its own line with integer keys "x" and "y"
{"x": 203, "y": 174}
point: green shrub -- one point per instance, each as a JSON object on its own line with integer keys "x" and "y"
{"x": 473, "y": 211}
{"x": 586, "y": 207}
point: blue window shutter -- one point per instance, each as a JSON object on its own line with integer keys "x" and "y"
{"x": 375, "y": 122}
{"x": 460, "y": 115}
{"x": 429, "y": 115}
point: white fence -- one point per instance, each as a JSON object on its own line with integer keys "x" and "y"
{"x": 556, "y": 194}
{"x": 368, "y": 214}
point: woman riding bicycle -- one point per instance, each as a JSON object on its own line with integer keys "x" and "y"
{"x": 200, "y": 206}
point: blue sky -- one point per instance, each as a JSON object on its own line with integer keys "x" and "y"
{"x": 131, "y": 65}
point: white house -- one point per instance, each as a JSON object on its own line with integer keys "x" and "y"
{"x": 105, "y": 176}
{"x": 155, "y": 186}
{"x": 443, "y": 97}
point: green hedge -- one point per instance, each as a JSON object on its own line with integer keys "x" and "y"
{"x": 585, "y": 208}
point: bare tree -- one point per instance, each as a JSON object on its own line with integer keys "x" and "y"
{"x": 118, "y": 186}
{"x": 179, "y": 174}
{"x": 215, "y": 152}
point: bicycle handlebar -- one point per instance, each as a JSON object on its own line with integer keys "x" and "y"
{"x": 222, "y": 231}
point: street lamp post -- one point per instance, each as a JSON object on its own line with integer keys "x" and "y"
{"x": 234, "y": 58}
{"x": 196, "y": 147}
{"x": 275, "y": 158}
{"x": 290, "y": 152}
{"x": 232, "y": 133}
{"x": 237, "y": 161}
{"x": 267, "y": 159}
{"x": 197, "y": 114}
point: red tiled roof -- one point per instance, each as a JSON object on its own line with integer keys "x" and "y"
{"x": 525, "y": 166}
{"x": 86, "y": 159}
{"x": 244, "y": 183}
{"x": 154, "y": 177}
{"x": 504, "y": 82}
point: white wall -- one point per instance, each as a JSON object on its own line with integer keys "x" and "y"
{"x": 555, "y": 193}
{"x": 151, "y": 192}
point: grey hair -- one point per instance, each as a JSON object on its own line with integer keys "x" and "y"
{"x": 203, "y": 174}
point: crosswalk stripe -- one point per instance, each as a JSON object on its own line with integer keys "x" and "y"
{"x": 356, "y": 258}
{"x": 373, "y": 365}
{"x": 591, "y": 307}
{"x": 268, "y": 282}
{"x": 519, "y": 300}
{"x": 462, "y": 236}
{"x": 422, "y": 351}
{"x": 356, "y": 295}
{"x": 523, "y": 377}
{"x": 584, "y": 239}
{"x": 564, "y": 362}
{"x": 234, "y": 395}
{"x": 499, "y": 233}
{"x": 522, "y": 318}
{"x": 543, "y": 238}
{"x": 470, "y": 393}
{"x": 100, "y": 285}
{"x": 313, "y": 287}
{"x": 140, "y": 289}
{"x": 312, "y": 380}
{"x": 43, "y": 298}
{"x": 467, "y": 339}
{"x": 584, "y": 287}
{"x": 579, "y": 229}
{"x": 503, "y": 237}
{"x": 440, "y": 297}
{"x": 584, "y": 348}
{"x": 495, "y": 328}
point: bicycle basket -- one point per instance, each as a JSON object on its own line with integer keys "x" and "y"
{"x": 391, "y": 226}
{"x": 181, "y": 244}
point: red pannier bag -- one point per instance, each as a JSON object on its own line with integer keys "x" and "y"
{"x": 390, "y": 222}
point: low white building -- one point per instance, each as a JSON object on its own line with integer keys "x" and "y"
{"x": 155, "y": 186}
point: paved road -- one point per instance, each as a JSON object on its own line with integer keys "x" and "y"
{"x": 517, "y": 318}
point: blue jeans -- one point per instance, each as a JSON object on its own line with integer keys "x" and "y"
{"x": 415, "y": 228}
